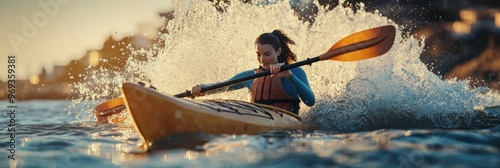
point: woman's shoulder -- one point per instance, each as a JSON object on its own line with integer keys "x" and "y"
{"x": 299, "y": 73}
{"x": 297, "y": 69}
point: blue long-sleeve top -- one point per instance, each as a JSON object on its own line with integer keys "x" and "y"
{"x": 296, "y": 85}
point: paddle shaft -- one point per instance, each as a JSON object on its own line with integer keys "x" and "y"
{"x": 309, "y": 61}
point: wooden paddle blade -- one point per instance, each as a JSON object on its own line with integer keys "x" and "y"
{"x": 104, "y": 112}
{"x": 362, "y": 45}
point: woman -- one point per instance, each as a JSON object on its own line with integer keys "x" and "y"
{"x": 282, "y": 89}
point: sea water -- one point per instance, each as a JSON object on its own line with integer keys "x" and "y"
{"x": 47, "y": 137}
{"x": 389, "y": 111}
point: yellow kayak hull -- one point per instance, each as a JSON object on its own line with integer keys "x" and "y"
{"x": 157, "y": 115}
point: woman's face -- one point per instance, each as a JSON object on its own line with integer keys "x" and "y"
{"x": 267, "y": 55}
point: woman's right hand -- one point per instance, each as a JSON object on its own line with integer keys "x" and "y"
{"x": 196, "y": 91}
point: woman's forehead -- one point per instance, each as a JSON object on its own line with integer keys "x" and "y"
{"x": 264, "y": 47}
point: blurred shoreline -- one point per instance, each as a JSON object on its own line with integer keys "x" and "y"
{"x": 462, "y": 42}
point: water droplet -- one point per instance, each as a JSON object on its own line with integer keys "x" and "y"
{"x": 178, "y": 114}
{"x": 408, "y": 133}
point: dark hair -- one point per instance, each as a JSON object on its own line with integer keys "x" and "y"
{"x": 278, "y": 39}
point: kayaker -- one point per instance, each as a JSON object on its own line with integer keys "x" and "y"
{"x": 281, "y": 89}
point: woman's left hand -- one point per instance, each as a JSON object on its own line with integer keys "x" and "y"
{"x": 275, "y": 71}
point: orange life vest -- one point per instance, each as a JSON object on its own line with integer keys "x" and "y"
{"x": 269, "y": 90}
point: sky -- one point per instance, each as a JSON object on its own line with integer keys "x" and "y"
{"x": 44, "y": 33}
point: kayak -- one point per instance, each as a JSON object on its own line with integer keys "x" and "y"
{"x": 156, "y": 115}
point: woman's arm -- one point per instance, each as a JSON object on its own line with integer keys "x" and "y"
{"x": 232, "y": 87}
{"x": 301, "y": 85}
{"x": 243, "y": 84}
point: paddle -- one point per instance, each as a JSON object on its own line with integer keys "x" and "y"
{"x": 358, "y": 46}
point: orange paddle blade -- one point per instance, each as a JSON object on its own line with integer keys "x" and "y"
{"x": 364, "y": 44}
{"x": 105, "y": 111}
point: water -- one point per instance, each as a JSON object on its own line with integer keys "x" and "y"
{"x": 47, "y": 137}
{"x": 389, "y": 111}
